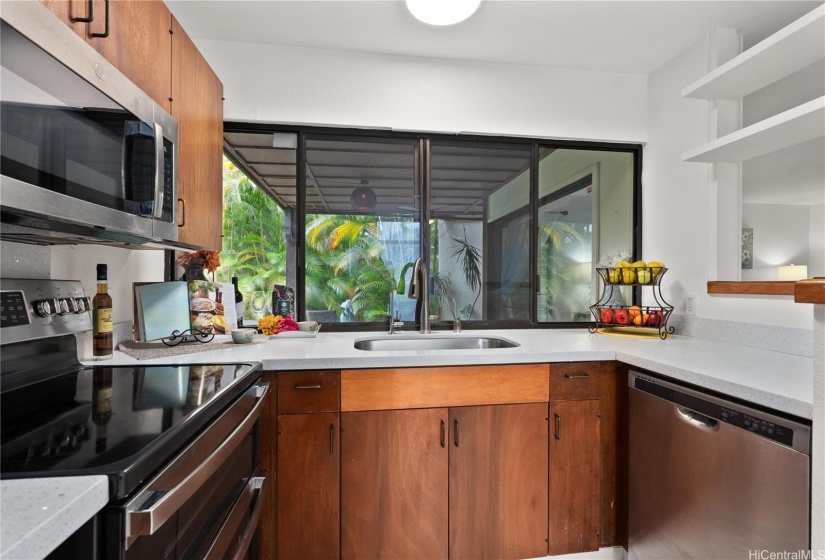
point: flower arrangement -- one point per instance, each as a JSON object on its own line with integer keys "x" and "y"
{"x": 210, "y": 260}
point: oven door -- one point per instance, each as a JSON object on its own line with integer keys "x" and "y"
{"x": 206, "y": 503}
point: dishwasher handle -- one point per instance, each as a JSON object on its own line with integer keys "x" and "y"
{"x": 695, "y": 419}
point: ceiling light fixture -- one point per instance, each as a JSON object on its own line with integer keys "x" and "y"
{"x": 442, "y": 12}
{"x": 363, "y": 198}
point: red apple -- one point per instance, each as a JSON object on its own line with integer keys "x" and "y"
{"x": 654, "y": 318}
{"x": 620, "y": 316}
{"x": 607, "y": 315}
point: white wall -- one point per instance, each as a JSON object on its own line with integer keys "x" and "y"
{"x": 676, "y": 200}
{"x": 816, "y": 260}
{"x": 780, "y": 237}
{"x": 79, "y": 262}
{"x": 270, "y": 83}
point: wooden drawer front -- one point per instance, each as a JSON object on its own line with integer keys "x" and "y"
{"x": 309, "y": 391}
{"x": 575, "y": 382}
{"x": 398, "y": 388}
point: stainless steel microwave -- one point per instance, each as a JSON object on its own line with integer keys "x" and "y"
{"x": 85, "y": 155}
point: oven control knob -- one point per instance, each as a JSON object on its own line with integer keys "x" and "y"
{"x": 45, "y": 307}
{"x": 66, "y": 306}
{"x": 83, "y": 304}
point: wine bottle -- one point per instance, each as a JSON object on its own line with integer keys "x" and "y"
{"x": 102, "y": 317}
{"x": 238, "y": 302}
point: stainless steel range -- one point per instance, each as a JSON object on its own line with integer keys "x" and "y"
{"x": 178, "y": 443}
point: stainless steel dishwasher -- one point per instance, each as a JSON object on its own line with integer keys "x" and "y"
{"x": 712, "y": 479}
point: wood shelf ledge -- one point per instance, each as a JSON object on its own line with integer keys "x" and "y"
{"x": 811, "y": 290}
{"x": 783, "y": 288}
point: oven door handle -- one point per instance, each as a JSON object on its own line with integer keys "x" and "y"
{"x": 143, "y": 522}
{"x": 220, "y": 548}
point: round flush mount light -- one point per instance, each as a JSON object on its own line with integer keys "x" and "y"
{"x": 442, "y": 12}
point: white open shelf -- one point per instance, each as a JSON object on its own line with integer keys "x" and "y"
{"x": 792, "y": 48}
{"x": 794, "y": 126}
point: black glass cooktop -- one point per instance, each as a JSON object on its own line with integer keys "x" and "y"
{"x": 125, "y": 422}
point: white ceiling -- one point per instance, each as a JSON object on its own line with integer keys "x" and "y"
{"x": 633, "y": 37}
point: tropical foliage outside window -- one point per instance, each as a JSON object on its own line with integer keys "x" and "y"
{"x": 254, "y": 247}
{"x": 344, "y": 261}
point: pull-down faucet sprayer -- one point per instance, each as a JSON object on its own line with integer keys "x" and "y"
{"x": 420, "y": 290}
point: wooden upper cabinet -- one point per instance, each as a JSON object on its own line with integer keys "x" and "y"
{"x": 68, "y": 11}
{"x": 197, "y": 105}
{"x": 139, "y": 43}
{"x": 394, "y": 484}
{"x": 498, "y": 481}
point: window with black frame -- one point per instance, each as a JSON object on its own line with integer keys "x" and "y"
{"x": 362, "y": 226}
{"x": 480, "y": 230}
{"x": 515, "y": 228}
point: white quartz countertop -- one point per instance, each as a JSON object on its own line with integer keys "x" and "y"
{"x": 38, "y": 514}
{"x": 777, "y": 380}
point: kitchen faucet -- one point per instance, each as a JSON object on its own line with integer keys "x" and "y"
{"x": 420, "y": 290}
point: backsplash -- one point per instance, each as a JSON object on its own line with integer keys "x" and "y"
{"x": 77, "y": 262}
{"x": 789, "y": 340}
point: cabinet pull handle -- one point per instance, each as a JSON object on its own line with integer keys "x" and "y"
{"x": 558, "y": 426}
{"x": 332, "y": 439}
{"x": 306, "y": 387}
{"x": 583, "y": 376}
{"x": 106, "y": 26}
{"x": 91, "y": 11}
{"x": 182, "y": 217}
{"x": 456, "y": 433}
{"x": 443, "y": 434}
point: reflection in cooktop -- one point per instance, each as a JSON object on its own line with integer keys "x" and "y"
{"x": 101, "y": 415}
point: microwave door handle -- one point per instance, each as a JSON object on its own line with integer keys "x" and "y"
{"x": 159, "y": 175}
{"x": 139, "y": 129}
{"x": 143, "y": 522}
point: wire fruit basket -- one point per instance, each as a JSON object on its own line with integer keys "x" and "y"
{"x": 652, "y": 318}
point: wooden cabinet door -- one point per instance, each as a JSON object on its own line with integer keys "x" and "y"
{"x": 575, "y": 471}
{"x": 197, "y": 104}
{"x": 394, "y": 484}
{"x": 139, "y": 43}
{"x": 308, "y": 486}
{"x": 68, "y": 11}
{"x": 498, "y": 481}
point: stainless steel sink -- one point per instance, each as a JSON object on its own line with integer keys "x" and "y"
{"x": 433, "y": 342}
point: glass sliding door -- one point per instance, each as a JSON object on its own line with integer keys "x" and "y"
{"x": 480, "y": 227}
{"x": 362, "y": 225}
{"x": 585, "y": 212}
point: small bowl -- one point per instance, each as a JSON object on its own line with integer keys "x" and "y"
{"x": 307, "y": 326}
{"x": 243, "y": 336}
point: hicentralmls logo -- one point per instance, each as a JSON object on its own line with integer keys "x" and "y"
{"x": 785, "y": 555}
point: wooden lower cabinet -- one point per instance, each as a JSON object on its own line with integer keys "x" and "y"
{"x": 575, "y": 473}
{"x": 394, "y": 484}
{"x": 498, "y": 481}
{"x": 308, "y": 481}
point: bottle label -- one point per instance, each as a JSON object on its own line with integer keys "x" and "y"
{"x": 103, "y": 320}
{"x": 239, "y": 312}
{"x": 104, "y": 399}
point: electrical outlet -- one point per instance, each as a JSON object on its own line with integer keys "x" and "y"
{"x": 690, "y": 307}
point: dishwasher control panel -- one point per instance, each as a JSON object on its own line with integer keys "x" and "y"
{"x": 764, "y": 428}
{"x": 708, "y": 409}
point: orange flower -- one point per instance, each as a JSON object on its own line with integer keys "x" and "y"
{"x": 210, "y": 260}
